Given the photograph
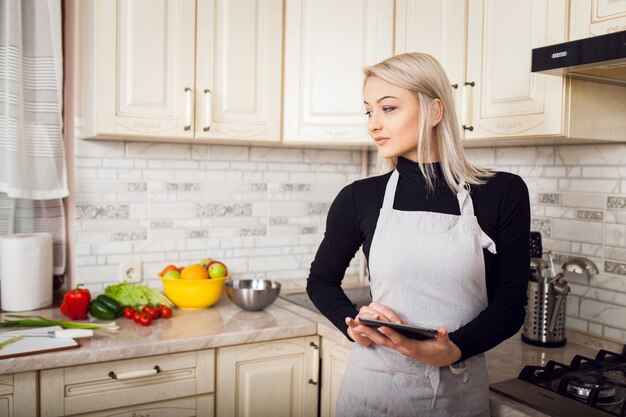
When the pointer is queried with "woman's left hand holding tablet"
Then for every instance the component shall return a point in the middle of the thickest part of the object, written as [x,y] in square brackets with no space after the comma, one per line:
[440,351]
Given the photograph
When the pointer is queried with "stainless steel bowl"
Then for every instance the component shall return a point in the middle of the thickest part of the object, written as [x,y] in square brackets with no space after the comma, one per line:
[252,294]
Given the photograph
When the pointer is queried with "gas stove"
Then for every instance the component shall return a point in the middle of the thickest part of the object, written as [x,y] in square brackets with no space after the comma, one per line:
[584,388]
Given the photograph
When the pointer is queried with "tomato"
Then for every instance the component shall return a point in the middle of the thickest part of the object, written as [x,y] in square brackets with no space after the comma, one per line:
[155,313]
[137,316]
[145,319]
[129,312]
[146,309]
[165,311]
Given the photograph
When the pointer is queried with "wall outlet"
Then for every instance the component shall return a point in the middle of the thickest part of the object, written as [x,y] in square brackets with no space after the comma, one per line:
[131,272]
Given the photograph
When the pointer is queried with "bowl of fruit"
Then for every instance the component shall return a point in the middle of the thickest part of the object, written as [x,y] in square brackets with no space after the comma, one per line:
[196,286]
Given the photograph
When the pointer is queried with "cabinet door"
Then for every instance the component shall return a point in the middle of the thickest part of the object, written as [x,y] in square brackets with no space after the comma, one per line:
[503,98]
[18,394]
[327,44]
[598,18]
[277,379]
[334,362]
[438,29]
[143,67]
[239,69]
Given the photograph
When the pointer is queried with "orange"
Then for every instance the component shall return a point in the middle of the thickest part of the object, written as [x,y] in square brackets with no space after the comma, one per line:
[195,271]
[168,268]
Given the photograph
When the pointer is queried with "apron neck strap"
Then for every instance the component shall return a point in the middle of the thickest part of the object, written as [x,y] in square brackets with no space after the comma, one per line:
[465,201]
[390,190]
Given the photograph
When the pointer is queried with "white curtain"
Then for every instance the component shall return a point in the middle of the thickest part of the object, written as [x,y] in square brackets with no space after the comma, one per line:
[33,177]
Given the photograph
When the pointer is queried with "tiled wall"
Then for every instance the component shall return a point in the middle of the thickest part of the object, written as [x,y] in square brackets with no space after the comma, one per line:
[262,210]
[578,198]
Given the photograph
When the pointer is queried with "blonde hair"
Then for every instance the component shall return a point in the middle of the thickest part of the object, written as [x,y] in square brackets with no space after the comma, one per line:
[425,77]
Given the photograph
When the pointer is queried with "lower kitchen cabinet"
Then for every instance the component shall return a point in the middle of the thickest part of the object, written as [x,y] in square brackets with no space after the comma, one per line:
[182,383]
[334,362]
[18,394]
[278,378]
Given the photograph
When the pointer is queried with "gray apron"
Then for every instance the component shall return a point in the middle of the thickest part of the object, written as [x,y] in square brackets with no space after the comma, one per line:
[429,268]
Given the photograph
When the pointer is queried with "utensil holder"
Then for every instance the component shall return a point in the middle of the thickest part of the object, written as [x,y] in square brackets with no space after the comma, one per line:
[542,300]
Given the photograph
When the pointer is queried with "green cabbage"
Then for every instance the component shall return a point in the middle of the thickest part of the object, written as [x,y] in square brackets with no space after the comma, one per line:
[136,296]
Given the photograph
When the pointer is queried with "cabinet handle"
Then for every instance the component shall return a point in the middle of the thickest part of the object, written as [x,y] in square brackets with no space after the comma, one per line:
[455,86]
[207,109]
[188,106]
[315,371]
[466,105]
[135,374]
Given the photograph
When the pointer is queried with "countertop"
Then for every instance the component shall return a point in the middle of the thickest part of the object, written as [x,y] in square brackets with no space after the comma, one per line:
[226,324]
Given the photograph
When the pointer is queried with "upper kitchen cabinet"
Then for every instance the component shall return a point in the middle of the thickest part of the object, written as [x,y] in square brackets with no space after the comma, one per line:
[485,47]
[598,17]
[327,44]
[181,69]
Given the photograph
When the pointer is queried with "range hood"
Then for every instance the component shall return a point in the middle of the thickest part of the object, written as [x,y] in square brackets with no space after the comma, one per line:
[601,58]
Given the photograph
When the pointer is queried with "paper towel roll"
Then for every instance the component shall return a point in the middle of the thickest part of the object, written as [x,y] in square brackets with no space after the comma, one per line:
[25,271]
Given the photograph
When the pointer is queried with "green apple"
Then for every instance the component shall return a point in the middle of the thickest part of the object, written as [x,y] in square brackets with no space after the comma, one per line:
[217,269]
[172,274]
[205,262]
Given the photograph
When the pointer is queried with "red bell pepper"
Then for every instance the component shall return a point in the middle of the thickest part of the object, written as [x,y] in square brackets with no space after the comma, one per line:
[77,303]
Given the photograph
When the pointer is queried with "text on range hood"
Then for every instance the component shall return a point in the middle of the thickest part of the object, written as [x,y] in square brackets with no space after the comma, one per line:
[600,57]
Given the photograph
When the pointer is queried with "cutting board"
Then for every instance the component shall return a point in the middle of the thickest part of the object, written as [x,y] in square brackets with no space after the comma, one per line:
[32,345]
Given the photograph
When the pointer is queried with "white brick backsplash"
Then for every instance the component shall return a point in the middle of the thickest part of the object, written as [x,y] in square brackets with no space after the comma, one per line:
[593,185]
[617,334]
[616,235]
[603,313]
[162,151]
[596,329]
[151,190]
[580,231]
[516,155]
[287,155]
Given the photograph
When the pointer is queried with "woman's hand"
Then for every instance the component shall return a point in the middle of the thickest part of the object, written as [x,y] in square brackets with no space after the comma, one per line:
[364,335]
[439,352]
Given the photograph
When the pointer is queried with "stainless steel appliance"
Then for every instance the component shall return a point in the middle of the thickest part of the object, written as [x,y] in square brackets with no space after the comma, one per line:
[585,388]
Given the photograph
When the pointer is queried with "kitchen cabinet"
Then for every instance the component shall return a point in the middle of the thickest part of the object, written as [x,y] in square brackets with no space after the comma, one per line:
[598,18]
[181,69]
[489,63]
[334,362]
[278,378]
[18,393]
[173,384]
[327,44]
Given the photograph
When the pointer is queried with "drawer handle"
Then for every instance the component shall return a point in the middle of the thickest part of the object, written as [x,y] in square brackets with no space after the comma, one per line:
[135,374]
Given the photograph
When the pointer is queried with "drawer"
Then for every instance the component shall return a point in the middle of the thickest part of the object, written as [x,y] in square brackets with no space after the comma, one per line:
[198,406]
[89,388]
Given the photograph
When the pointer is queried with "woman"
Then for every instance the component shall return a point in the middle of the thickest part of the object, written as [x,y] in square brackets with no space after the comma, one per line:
[429,229]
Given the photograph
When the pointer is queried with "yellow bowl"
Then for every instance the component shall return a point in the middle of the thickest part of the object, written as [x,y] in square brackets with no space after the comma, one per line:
[193,294]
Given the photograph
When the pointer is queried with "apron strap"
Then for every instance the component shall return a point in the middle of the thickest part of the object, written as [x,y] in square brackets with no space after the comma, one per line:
[467,209]
[390,190]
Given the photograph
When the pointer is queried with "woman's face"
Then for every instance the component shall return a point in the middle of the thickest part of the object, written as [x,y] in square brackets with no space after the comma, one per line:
[392,118]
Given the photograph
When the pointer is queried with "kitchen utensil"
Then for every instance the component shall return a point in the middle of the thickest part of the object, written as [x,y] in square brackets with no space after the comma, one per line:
[252,294]
[63,334]
[561,289]
[193,294]
[539,269]
[579,265]
[536,248]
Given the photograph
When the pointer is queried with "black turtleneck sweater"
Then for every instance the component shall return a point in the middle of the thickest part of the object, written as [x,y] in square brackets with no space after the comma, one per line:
[502,208]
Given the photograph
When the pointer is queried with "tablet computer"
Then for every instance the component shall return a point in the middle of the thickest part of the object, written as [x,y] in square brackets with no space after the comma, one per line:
[414,332]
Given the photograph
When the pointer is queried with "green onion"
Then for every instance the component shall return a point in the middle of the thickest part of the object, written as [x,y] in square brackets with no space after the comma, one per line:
[9,341]
[39,321]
